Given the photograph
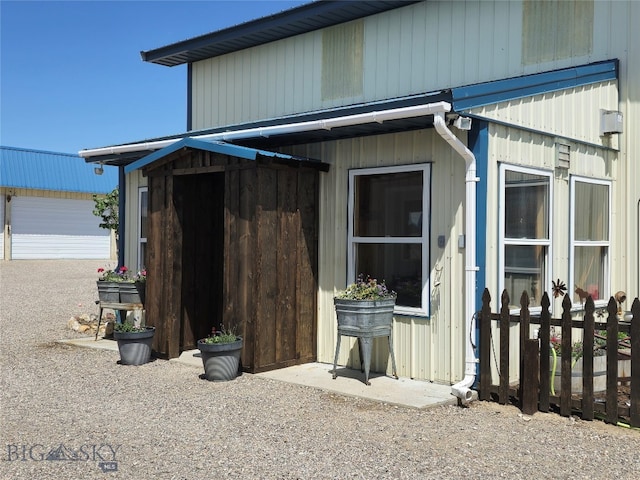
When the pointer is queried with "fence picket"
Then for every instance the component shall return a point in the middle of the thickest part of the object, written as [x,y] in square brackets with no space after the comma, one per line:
[587,403]
[612,362]
[485,347]
[635,364]
[503,392]
[544,334]
[587,360]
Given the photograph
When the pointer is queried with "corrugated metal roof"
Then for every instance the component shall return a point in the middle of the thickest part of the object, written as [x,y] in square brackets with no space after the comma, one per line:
[295,21]
[42,170]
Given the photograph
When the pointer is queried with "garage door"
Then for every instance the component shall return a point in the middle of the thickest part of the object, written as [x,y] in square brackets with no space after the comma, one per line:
[56,228]
[2,204]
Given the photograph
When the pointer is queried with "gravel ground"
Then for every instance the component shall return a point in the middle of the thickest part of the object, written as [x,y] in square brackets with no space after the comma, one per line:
[163,422]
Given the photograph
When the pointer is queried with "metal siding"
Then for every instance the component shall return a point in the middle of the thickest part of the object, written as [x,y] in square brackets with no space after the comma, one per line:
[425,348]
[572,113]
[35,169]
[45,228]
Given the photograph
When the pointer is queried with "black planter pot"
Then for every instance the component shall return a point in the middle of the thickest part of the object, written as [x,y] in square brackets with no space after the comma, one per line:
[221,361]
[135,347]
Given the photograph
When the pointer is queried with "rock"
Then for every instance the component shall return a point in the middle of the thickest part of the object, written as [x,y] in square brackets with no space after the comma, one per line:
[83,328]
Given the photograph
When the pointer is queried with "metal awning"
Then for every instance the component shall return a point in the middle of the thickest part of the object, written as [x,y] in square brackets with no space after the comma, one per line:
[374,118]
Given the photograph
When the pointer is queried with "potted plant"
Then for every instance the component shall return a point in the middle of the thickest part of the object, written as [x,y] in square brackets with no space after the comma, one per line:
[365,310]
[109,284]
[220,354]
[119,286]
[134,342]
[132,289]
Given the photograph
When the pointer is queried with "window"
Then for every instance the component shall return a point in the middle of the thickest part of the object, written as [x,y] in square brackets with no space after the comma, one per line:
[525,232]
[590,227]
[142,226]
[389,231]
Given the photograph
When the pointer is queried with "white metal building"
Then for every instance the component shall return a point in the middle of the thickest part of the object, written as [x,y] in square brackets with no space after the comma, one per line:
[46,206]
[472,144]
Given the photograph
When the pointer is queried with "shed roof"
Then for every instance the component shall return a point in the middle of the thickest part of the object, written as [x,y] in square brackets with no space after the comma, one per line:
[295,21]
[225,149]
[42,170]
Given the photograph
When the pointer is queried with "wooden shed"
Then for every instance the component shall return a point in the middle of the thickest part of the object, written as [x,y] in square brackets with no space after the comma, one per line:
[232,241]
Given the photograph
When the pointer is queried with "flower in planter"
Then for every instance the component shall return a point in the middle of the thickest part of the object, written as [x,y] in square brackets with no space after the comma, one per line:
[577,348]
[141,276]
[117,275]
[366,288]
[220,336]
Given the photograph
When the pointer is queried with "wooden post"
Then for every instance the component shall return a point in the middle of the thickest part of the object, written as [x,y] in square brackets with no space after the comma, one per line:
[635,364]
[485,347]
[544,336]
[530,382]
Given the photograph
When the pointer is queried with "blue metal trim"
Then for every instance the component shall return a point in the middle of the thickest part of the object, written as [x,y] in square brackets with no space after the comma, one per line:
[210,146]
[488,93]
[478,139]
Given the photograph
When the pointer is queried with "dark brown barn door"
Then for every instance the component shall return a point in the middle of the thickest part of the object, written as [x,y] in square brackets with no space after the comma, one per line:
[200,206]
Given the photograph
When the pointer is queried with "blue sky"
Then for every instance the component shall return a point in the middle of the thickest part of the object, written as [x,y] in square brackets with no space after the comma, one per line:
[71,76]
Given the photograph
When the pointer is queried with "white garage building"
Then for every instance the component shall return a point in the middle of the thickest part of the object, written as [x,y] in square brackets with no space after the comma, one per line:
[46,206]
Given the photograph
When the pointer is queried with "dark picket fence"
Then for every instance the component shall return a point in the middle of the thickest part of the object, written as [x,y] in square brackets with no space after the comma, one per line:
[533,390]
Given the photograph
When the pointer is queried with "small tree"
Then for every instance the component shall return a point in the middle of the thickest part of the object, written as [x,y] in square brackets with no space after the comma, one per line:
[106,207]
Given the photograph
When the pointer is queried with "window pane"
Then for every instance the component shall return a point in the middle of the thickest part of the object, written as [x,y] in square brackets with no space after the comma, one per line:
[589,271]
[526,205]
[143,214]
[388,205]
[400,265]
[524,270]
[592,211]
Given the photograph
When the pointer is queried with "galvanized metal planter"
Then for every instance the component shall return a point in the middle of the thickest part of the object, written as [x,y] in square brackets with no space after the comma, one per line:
[108,292]
[365,319]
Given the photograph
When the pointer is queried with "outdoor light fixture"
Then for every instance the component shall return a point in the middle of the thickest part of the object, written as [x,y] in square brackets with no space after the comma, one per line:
[98,170]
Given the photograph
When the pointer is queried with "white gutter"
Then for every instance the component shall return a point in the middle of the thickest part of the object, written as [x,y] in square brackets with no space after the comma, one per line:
[325,124]
[462,389]
[438,110]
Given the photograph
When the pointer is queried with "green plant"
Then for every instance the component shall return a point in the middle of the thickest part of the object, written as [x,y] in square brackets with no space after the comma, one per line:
[221,336]
[366,288]
[128,327]
[106,207]
[141,276]
[120,274]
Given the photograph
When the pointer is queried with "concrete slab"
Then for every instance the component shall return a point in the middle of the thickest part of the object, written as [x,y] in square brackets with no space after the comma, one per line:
[90,342]
[404,391]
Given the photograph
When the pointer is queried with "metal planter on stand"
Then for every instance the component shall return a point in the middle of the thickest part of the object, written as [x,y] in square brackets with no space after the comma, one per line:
[365,319]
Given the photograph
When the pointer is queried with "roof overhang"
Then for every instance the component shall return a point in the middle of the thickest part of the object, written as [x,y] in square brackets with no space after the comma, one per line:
[224,148]
[295,21]
[405,114]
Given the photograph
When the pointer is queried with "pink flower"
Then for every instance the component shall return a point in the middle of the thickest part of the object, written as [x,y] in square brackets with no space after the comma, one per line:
[100,270]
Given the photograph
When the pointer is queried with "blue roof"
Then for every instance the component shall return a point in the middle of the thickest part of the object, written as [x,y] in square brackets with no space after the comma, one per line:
[218,147]
[37,169]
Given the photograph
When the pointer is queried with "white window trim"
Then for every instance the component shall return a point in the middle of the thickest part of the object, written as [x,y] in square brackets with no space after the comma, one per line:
[141,239]
[502,241]
[573,243]
[424,240]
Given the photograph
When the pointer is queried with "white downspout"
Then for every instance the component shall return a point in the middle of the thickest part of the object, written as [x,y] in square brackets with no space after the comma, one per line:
[462,389]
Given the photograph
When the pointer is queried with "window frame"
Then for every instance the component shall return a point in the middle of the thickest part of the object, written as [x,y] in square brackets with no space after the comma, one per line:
[503,241]
[423,239]
[141,240]
[573,243]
